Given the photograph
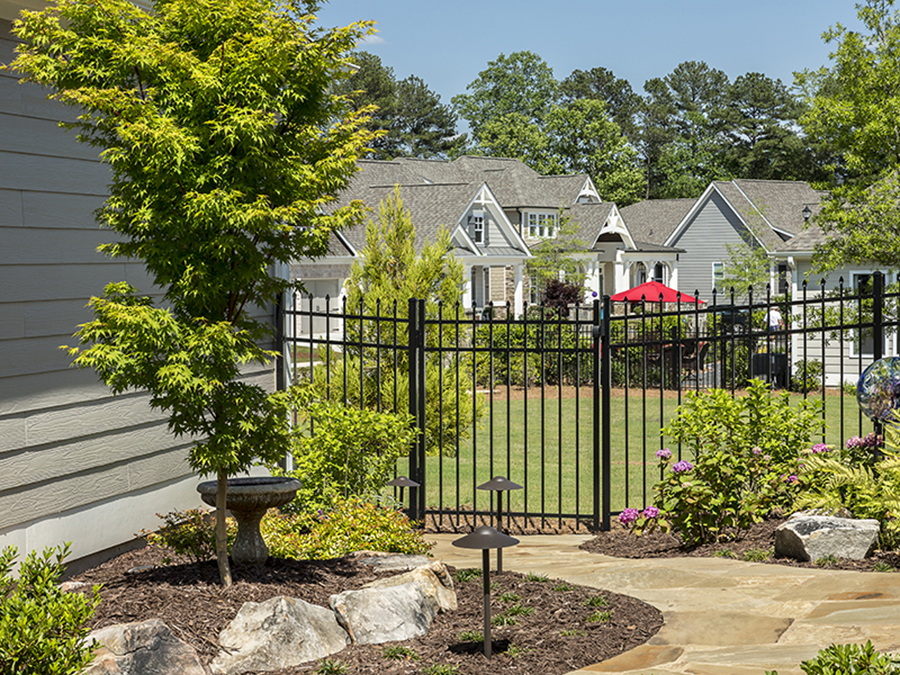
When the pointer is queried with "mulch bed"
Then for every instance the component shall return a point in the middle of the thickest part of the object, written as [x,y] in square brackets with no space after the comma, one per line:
[621,543]
[557,637]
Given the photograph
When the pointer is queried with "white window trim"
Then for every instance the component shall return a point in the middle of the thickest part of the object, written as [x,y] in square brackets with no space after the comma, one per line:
[890,340]
[541,225]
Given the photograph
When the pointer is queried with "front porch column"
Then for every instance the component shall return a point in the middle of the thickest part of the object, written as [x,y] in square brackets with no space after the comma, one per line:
[518,291]
[467,288]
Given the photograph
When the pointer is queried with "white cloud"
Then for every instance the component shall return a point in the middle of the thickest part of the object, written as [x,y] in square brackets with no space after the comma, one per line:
[373,40]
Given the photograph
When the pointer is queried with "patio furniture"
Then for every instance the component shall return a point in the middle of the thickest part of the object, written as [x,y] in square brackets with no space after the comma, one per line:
[694,363]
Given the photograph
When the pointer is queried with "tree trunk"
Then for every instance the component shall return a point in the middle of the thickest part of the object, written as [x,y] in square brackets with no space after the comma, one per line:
[221,532]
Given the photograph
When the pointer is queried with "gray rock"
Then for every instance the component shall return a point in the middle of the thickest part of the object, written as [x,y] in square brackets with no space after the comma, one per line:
[808,537]
[278,633]
[391,562]
[434,580]
[145,648]
[376,615]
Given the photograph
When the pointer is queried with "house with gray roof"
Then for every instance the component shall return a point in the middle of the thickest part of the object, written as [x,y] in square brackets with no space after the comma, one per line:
[495,209]
[759,213]
[798,254]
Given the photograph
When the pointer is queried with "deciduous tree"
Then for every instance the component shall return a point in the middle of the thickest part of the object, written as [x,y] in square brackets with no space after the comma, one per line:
[225,141]
[854,111]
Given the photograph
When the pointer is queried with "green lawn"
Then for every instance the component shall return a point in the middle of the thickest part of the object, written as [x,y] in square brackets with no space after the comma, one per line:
[548,448]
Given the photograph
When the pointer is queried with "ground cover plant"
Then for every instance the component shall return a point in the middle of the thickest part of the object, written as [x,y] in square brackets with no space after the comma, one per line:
[345,526]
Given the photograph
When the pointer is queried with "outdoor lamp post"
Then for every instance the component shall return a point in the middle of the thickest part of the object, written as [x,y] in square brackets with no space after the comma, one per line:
[486,538]
[499,484]
[403,482]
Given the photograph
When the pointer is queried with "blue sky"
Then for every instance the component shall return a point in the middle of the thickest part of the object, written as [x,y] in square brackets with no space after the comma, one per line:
[448,44]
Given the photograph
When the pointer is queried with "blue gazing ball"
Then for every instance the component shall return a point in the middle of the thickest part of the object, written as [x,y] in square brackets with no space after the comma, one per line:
[878,389]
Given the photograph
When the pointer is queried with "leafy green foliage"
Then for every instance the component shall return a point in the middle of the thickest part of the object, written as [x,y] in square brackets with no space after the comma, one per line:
[807,376]
[226,141]
[851,112]
[388,274]
[832,483]
[332,667]
[758,554]
[744,461]
[190,532]
[409,116]
[442,669]
[536,577]
[399,653]
[468,574]
[851,658]
[342,451]
[599,617]
[354,525]
[597,601]
[471,636]
[42,627]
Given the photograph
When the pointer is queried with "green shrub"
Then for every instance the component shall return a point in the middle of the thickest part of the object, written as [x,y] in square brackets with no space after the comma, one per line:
[845,659]
[807,376]
[191,532]
[744,462]
[341,451]
[451,409]
[42,627]
[354,525]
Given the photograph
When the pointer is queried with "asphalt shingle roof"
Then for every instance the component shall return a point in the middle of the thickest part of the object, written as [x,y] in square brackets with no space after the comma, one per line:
[653,220]
[767,204]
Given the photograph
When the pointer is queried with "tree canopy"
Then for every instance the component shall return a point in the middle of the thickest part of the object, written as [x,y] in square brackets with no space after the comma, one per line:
[409,115]
[854,112]
[225,141]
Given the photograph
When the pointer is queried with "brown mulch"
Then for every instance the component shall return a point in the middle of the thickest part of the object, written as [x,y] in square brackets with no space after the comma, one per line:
[621,543]
[557,637]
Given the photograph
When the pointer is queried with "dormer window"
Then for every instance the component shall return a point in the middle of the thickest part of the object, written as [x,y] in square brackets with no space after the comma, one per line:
[542,225]
[476,227]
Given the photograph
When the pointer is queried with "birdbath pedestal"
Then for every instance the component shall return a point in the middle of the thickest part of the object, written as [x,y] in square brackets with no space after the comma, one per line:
[248,499]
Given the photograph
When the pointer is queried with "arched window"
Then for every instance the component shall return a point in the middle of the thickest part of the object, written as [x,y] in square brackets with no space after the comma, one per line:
[640,274]
[659,273]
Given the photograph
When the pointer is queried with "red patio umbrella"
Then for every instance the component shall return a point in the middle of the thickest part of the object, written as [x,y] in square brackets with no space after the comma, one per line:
[651,292]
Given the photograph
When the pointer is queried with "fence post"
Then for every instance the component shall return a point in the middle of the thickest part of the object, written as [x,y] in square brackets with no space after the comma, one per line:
[878,329]
[414,355]
[601,414]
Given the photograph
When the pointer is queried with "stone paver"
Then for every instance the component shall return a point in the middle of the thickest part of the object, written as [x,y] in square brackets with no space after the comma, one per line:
[723,617]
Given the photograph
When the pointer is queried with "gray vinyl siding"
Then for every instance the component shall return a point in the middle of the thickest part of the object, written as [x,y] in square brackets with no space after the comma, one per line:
[704,241]
[67,446]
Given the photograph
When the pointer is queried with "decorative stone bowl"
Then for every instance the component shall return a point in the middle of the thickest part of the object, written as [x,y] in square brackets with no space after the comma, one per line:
[248,499]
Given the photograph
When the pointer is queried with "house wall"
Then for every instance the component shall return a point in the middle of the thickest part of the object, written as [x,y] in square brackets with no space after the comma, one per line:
[76,463]
[704,241]
[842,359]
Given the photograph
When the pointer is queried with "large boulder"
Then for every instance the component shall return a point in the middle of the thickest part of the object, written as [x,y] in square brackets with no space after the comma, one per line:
[434,580]
[392,562]
[810,537]
[278,633]
[144,648]
[376,615]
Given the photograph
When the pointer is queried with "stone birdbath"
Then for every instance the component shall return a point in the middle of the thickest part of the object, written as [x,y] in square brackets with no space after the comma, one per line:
[248,499]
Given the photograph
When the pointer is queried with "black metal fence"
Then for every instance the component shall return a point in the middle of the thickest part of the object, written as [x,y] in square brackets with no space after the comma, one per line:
[571,403]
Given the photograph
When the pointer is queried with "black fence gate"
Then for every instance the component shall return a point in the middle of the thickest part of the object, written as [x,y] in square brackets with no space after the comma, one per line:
[571,402]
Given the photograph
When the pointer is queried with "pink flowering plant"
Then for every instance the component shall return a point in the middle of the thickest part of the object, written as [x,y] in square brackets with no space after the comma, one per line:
[739,461]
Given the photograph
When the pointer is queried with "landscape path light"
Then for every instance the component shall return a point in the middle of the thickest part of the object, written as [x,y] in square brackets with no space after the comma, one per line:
[499,484]
[403,482]
[485,538]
